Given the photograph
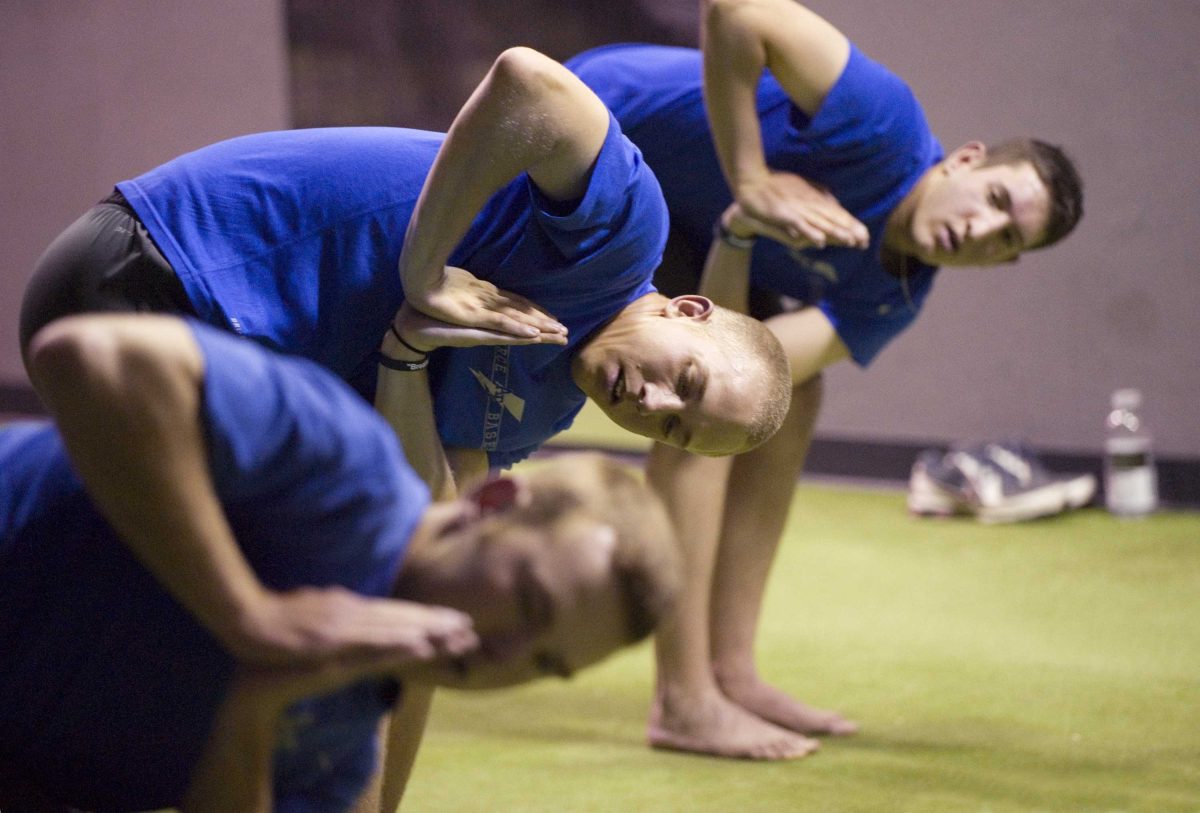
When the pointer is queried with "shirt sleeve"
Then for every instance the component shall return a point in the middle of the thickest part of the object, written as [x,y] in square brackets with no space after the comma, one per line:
[311,478]
[622,217]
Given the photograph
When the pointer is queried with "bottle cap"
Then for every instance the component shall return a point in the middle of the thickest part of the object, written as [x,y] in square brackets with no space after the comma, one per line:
[1128,398]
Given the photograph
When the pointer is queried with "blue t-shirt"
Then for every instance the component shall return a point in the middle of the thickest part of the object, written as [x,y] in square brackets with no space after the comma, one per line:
[109,686]
[869,144]
[293,239]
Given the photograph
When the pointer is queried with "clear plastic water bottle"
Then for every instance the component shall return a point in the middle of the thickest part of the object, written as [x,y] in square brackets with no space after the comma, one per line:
[1130,479]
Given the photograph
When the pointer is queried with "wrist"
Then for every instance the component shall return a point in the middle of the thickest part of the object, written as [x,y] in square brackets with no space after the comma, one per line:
[407,344]
[250,634]
[731,237]
[401,353]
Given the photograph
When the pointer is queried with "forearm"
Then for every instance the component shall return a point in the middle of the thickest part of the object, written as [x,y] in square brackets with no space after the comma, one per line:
[726,276]
[740,38]
[125,394]
[734,58]
[528,115]
[404,400]
[235,770]
[405,729]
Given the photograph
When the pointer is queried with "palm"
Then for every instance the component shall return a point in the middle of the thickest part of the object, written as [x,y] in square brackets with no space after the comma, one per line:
[463,299]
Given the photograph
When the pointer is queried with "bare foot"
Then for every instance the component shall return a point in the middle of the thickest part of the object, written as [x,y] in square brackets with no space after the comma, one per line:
[780,708]
[713,725]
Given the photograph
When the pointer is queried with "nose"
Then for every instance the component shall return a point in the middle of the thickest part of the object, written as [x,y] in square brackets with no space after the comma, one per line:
[655,398]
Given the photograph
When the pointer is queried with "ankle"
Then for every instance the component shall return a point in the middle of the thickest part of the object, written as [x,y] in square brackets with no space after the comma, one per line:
[671,696]
[732,677]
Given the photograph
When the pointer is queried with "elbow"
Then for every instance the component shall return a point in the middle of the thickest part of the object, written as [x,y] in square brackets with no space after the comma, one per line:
[71,349]
[525,69]
[708,7]
[720,11]
[112,358]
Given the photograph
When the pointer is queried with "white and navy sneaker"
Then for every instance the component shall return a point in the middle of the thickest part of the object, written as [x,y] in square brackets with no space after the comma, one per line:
[970,480]
[1019,460]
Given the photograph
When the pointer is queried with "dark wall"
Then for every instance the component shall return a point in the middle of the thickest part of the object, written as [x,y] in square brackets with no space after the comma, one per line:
[413,62]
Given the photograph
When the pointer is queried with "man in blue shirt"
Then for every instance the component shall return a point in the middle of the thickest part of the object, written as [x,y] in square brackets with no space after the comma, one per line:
[117,697]
[829,156]
[310,242]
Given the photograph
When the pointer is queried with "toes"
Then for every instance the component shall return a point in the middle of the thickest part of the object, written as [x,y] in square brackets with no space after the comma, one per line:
[785,748]
[841,727]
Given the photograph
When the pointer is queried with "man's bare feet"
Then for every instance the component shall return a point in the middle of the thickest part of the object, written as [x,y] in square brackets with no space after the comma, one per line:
[713,725]
[780,708]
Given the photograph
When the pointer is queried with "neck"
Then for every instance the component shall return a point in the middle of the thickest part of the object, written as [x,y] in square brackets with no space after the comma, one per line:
[897,231]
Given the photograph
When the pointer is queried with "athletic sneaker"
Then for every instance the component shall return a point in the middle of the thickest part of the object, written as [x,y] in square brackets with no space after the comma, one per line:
[968,481]
[1019,460]
[936,487]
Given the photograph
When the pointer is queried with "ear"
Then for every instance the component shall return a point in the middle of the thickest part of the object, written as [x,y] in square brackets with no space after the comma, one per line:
[500,494]
[969,155]
[690,306]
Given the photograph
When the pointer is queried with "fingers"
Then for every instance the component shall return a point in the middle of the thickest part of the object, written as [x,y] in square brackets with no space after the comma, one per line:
[425,331]
[463,299]
[521,319]
[393,636]
[801,214]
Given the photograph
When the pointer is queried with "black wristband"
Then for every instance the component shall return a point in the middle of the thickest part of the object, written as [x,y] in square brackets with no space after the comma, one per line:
[424,354]
[720,232]
[402,365]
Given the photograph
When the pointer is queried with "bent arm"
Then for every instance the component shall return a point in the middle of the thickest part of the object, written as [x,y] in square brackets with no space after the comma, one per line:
[806,55]
[740,38]
[530,114]
[125,394]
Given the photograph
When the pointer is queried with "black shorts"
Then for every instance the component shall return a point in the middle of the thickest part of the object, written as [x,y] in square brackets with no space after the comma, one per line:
[680,273]
[104,261]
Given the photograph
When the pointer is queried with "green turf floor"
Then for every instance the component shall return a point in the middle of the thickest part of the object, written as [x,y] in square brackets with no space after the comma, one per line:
[1050,666]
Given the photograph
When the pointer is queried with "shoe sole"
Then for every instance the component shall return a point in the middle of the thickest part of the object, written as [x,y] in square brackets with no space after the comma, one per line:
[926,498]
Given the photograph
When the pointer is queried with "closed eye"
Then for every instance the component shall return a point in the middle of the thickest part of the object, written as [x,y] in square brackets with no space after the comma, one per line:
[999,198]
[683,385]
[535,605]
[670,425]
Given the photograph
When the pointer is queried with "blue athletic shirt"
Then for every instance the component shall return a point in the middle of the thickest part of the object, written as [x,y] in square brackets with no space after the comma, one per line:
[869,144]
[293,239]
[110,703]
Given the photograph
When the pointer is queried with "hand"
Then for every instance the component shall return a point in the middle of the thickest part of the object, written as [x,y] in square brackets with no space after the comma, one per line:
[326,626]
[799,213]
[461,298]
[425,333]
[423,634]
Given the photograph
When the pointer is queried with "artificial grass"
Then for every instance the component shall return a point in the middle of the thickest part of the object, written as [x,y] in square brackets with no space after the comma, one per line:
[1049,666]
